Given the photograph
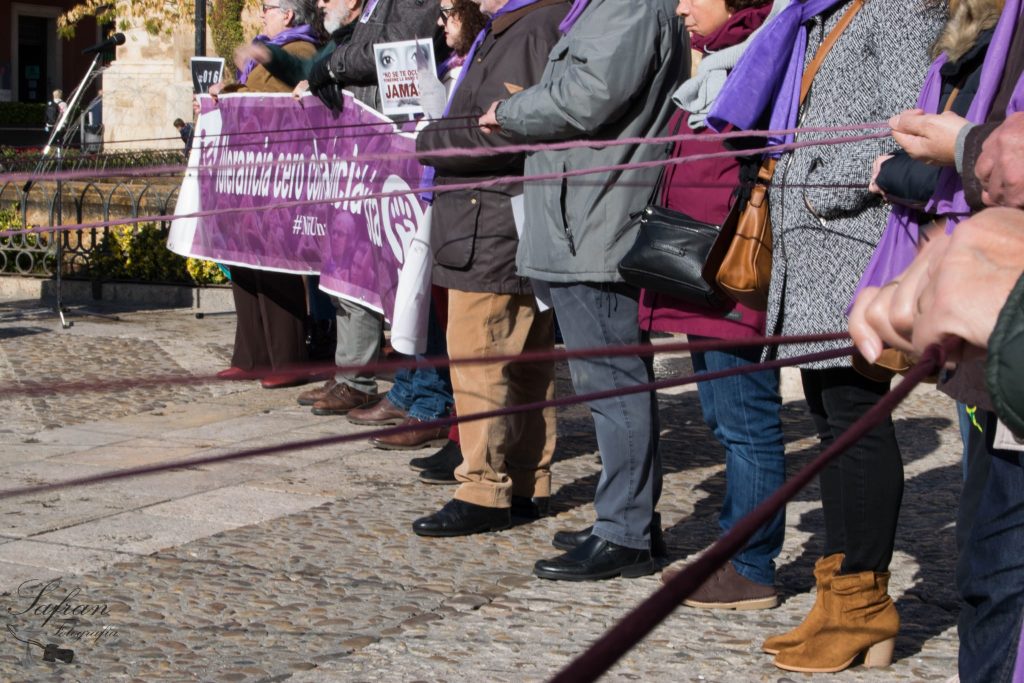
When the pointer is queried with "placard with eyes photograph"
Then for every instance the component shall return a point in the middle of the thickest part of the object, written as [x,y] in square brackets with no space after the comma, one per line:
[398,73]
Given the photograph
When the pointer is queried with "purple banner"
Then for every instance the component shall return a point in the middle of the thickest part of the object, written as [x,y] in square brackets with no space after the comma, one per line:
[254,151]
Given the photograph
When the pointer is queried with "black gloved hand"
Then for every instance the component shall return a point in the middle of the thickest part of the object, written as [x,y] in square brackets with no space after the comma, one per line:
[323,85]
[331,95]
[320,73]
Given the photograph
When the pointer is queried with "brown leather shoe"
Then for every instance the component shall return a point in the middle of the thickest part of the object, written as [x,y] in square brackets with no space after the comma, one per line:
[380,414]
[428,437]
[308,398]
[341,399]
[728,589]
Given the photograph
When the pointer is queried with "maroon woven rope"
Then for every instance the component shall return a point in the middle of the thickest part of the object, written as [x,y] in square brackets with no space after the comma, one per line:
[632,628]
[452,187]
[25,389]
[462,152]
[443,422]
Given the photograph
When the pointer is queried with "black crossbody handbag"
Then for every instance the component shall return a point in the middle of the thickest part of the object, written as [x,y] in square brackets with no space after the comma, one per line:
[675,254]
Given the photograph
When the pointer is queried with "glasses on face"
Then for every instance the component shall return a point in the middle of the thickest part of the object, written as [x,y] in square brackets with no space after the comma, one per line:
[446,13]
[267,8]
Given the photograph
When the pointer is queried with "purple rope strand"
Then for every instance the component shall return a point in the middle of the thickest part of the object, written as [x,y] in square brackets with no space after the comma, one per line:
[491,182]
[632,628]
[471,152]
[400,429]
[554,355]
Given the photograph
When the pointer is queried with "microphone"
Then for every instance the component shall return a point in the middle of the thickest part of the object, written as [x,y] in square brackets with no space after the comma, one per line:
[116,39]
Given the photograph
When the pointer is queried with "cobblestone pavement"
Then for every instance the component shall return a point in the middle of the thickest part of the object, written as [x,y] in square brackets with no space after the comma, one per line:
[301,566]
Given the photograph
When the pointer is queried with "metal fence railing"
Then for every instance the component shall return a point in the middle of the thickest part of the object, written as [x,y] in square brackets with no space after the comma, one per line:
[79,201]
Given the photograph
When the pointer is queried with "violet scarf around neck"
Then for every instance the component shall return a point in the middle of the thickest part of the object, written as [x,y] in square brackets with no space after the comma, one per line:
[574,13]
[767,77]
[303,32]
[899,242]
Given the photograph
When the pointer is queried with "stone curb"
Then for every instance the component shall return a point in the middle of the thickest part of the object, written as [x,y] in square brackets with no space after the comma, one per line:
[213,299]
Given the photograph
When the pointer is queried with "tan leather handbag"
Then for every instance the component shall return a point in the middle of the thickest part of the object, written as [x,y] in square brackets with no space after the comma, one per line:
[747,267]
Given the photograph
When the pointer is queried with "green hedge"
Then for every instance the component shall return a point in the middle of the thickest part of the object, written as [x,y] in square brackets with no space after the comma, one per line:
[14,159]
[22,114]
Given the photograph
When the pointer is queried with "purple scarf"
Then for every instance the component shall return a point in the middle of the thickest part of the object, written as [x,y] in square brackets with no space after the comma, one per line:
[898,245]
[768,75]
[1018,668]
[429,172]
[574,13]
[303,32]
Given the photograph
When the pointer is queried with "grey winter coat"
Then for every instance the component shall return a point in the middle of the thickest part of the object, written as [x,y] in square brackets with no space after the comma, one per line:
[612,76]
[353,63]
[825,223]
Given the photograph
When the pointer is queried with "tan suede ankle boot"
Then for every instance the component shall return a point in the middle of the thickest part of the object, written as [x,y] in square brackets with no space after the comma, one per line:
[824,569]
[859,618]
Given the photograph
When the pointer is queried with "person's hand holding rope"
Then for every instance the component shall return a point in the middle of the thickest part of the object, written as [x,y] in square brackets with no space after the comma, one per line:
[999,168]
[954,288]
[928,137]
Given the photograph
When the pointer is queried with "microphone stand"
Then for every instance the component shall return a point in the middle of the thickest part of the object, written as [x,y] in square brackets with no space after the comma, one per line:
[56,146]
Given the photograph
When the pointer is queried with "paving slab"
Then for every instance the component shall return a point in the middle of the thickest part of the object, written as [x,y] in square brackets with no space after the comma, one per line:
[135,532]
[237,505]
[301,566]
[59,557]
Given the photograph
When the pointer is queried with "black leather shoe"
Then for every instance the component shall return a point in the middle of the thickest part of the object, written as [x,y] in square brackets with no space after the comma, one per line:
[448,458]
[596,559]
[530,508]
[458,518]
[567,540]
[444,477]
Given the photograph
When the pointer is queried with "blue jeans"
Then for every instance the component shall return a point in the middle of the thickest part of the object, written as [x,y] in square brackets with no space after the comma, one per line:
[990,569]
[743,413]
[425,393]
[599,315]
[966,417]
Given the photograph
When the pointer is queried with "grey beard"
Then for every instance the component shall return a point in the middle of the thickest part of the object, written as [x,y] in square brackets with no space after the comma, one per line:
[332,22]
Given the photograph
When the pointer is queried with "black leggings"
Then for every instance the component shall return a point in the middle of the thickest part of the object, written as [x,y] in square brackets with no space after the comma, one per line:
[861,490]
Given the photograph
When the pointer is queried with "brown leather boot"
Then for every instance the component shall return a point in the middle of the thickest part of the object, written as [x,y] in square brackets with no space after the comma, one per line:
[860,618]
[824,569]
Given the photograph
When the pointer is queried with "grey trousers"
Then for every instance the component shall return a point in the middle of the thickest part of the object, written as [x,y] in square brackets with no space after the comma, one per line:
[359,334]
[604,314]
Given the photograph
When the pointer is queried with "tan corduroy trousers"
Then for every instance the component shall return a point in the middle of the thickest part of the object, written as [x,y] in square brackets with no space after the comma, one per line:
[511,455]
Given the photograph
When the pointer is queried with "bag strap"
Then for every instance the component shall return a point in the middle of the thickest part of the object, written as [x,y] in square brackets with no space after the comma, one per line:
[658,191]
[826,47]
[952,99]
[767,170]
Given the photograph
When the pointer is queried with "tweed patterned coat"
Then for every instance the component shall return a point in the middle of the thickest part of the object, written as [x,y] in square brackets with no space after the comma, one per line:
[824,232]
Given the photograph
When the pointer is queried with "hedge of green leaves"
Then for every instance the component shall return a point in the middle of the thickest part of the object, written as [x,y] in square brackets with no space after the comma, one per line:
[15,159]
